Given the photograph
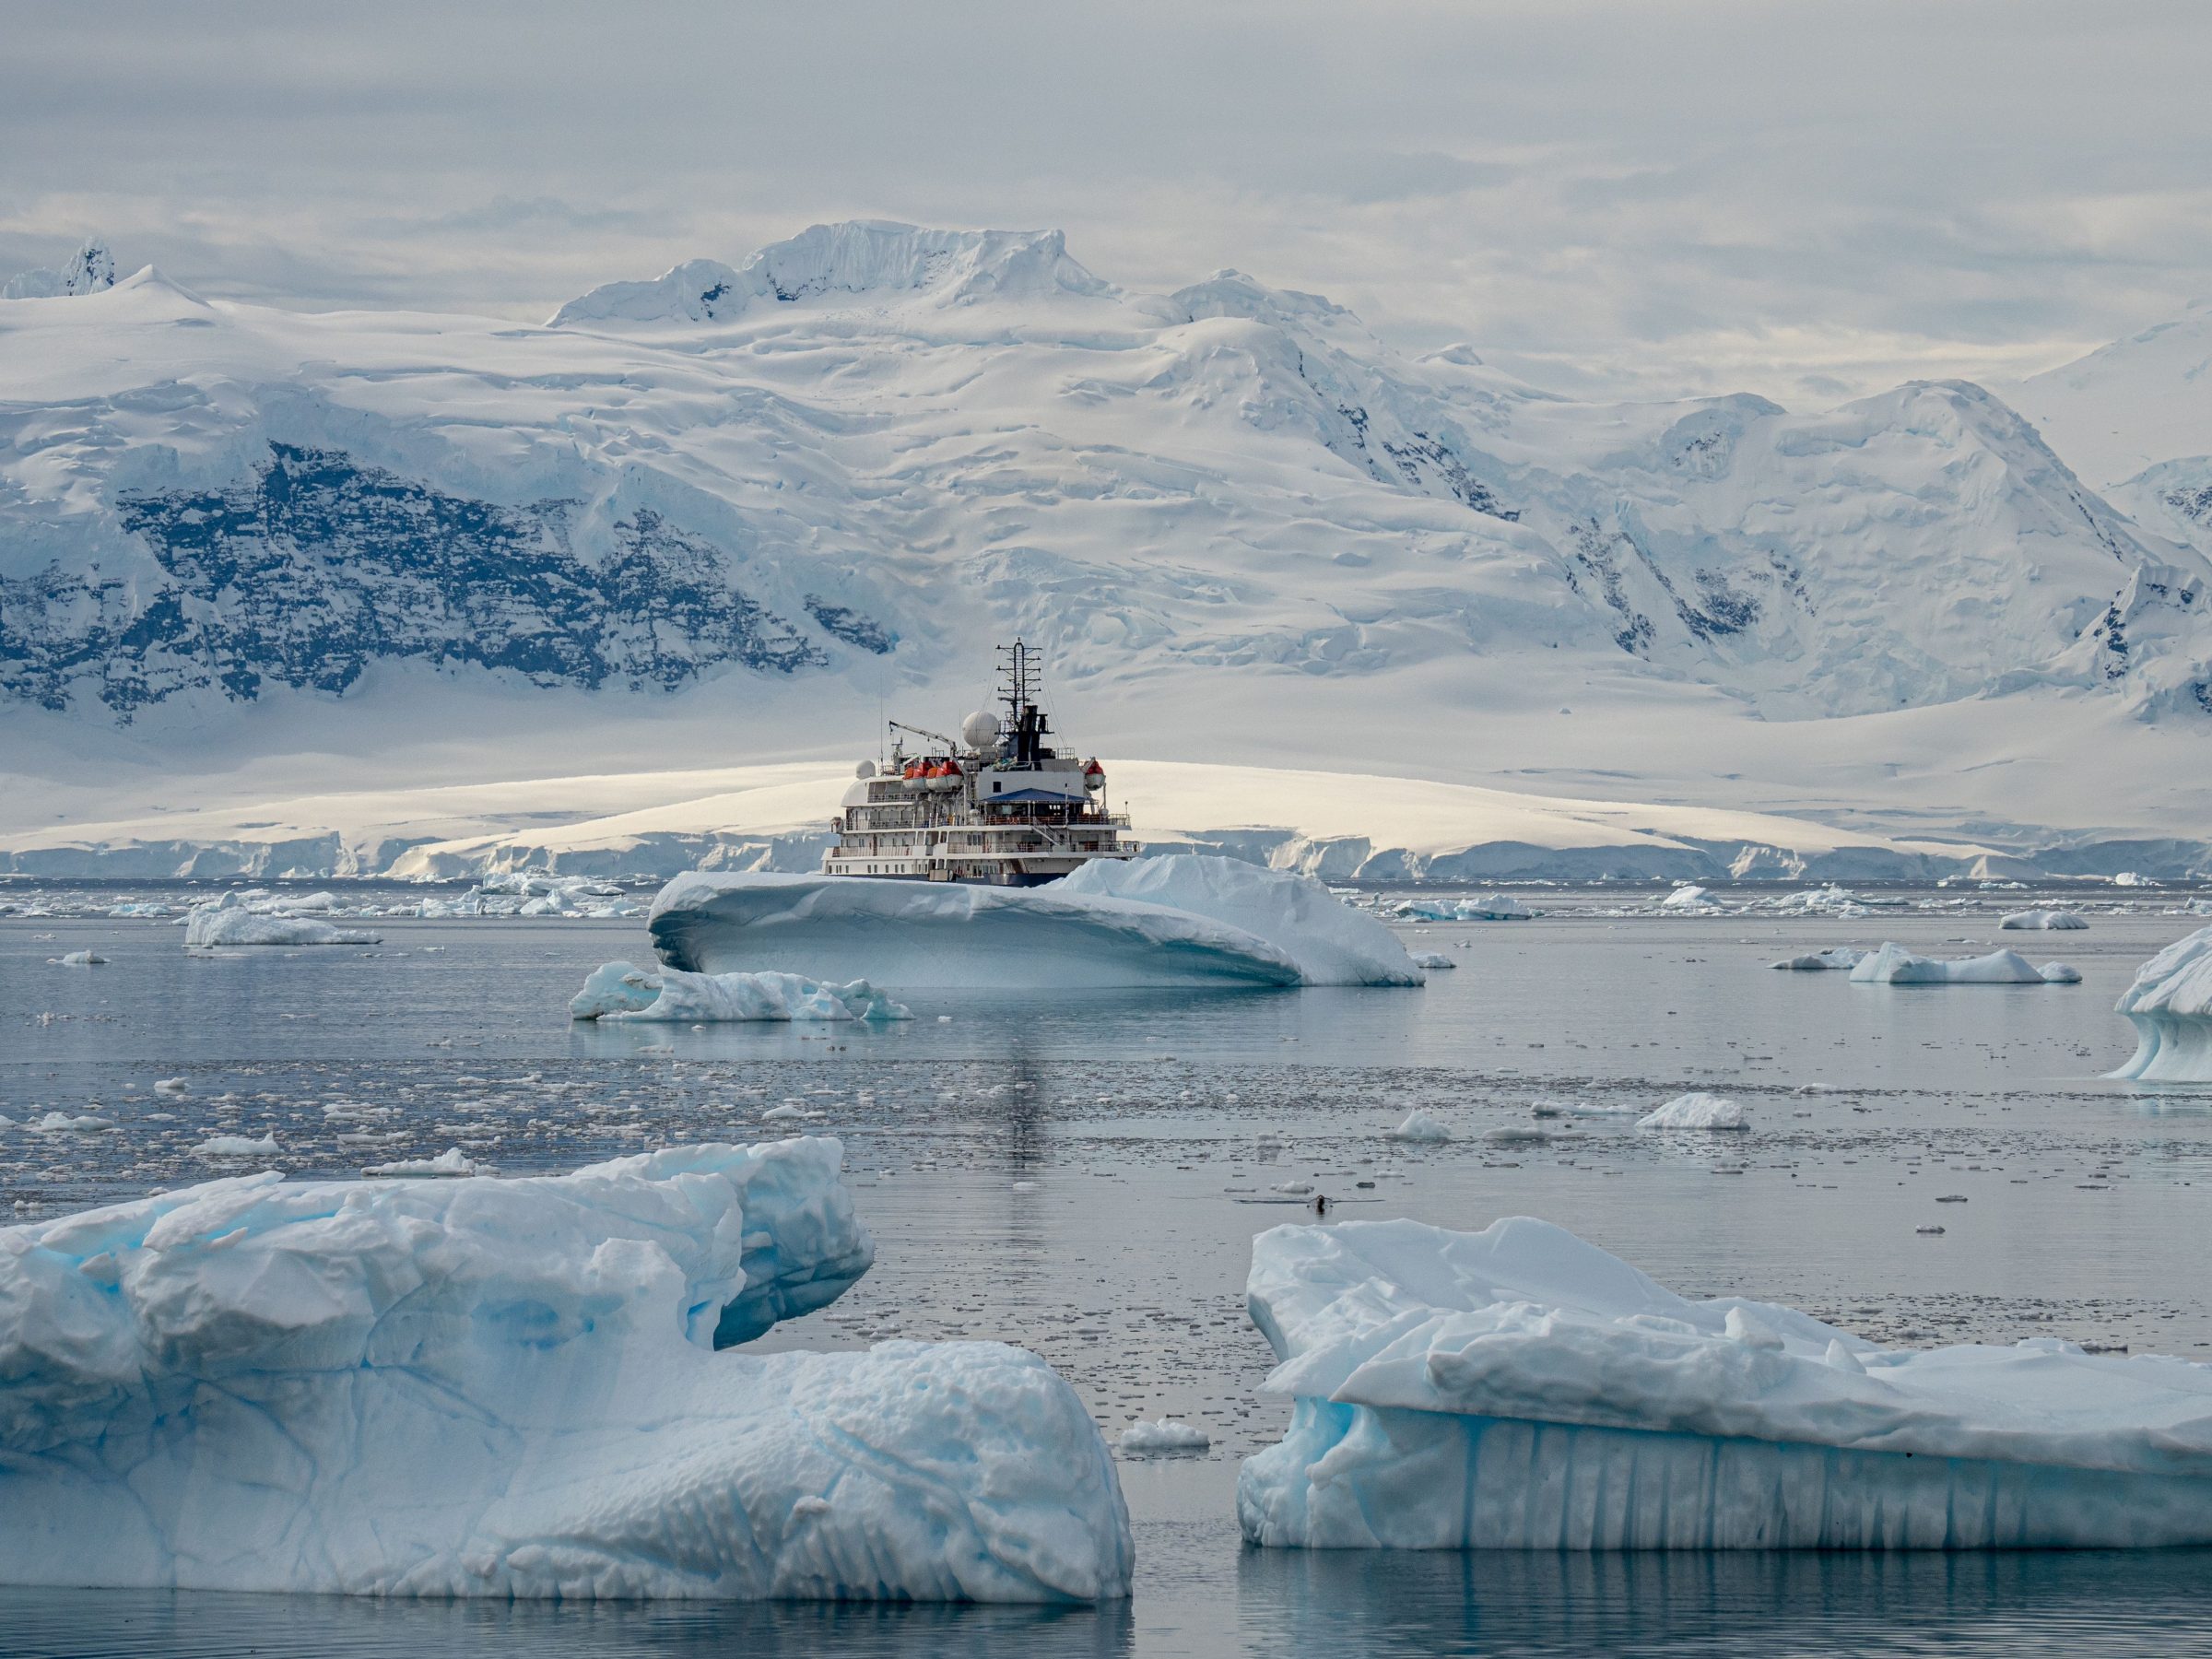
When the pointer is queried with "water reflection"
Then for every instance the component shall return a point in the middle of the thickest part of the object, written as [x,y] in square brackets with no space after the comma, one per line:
[1491,1602]
[47,1624]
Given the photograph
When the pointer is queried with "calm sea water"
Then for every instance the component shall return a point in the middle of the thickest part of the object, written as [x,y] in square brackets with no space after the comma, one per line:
[1084,1178]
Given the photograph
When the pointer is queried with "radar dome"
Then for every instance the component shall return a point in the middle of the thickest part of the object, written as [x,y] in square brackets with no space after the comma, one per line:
[980,730]
[866,769]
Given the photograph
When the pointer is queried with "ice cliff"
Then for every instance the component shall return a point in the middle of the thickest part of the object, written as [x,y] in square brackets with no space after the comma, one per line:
[1179,920]
[2170,1007]
[1518,1388]
[511,1388]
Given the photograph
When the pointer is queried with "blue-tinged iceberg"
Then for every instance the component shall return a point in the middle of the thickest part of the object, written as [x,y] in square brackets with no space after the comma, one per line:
[2170,1007]
[512,1388]
[1518,1388]
[1179,920]
[616,991]
[1893,964]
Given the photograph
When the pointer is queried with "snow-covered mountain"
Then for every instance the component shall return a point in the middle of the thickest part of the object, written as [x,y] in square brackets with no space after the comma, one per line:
[92,269]
[722,512]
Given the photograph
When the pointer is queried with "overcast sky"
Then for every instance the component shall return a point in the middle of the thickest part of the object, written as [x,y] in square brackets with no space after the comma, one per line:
[1807,200]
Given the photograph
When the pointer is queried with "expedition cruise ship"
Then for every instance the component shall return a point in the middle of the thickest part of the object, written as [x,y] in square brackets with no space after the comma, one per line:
[994,805]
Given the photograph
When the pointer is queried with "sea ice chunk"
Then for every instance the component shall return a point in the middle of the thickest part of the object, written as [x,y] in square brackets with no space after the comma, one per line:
[618,991]
[449,1164]
[1169,1434]
[2170,1007]
[1421,1126]
[231,923]
[1697,1110]
[1179,920]
[1895,965]
[510,1388]
[1813,961]
[1431,960]
[1518,1388]
[2041,920]
[82,958]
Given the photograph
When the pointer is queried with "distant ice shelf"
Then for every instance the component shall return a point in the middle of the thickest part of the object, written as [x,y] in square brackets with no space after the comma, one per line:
[2170,1005]
[465,1386]
[1521,1389]
[1179,920]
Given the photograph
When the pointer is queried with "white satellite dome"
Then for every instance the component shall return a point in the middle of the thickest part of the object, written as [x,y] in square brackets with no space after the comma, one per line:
[866,769]
[980,730]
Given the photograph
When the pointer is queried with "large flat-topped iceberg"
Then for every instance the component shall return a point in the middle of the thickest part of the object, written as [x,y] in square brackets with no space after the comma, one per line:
[1893,964]
[1179,920]
[2170,1007]
[1518,1388]
[511,1388]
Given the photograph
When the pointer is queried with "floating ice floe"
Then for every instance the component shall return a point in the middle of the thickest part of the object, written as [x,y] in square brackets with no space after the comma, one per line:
[72,1123]
[1520,1389]
[449,1164]
[2170,1007]
[1817,902]
[1895,965]
[1421,1126]
[1169,1434]
[1489,907]
[1697,1110]
[1690,901]
[2041,920]
[1432,959]
[618,991]
[511,1388]
[231,921]
[531,894]
[237,1146]
[82,958]
[1837,957]
[1179,920]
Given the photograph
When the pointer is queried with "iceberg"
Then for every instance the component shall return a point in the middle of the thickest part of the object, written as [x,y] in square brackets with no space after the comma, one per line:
[1431,962]
[1814,961]
[511,1388]
[1169,1434]
[616,991]
[231,923]
[1518,1388]
[1895,965]
[1179,920]
[2170,1005]
[1491,907]
[1421,1127]
[2041,920]
[1697,1110]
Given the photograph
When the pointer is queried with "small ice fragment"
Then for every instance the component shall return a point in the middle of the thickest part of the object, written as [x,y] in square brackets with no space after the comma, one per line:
[236,1146]
[82,958]
[1433,959]
[1421,1126]
[1169,1434]
[170,1086]
[452,1162]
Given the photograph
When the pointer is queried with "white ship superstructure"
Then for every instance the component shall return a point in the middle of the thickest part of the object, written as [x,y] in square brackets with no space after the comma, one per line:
[994,805]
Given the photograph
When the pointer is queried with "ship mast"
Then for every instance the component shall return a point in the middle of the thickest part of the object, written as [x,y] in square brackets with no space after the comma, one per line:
[1027,726]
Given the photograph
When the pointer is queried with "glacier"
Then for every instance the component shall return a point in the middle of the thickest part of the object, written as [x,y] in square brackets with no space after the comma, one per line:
[232,531]
[2170,1004]
[618,991]
[511,1388]
[1520,1388]
[1181,919]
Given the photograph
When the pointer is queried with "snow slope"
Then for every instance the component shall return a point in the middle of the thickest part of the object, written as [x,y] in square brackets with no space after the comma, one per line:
[463,1386]
[1518,1388]
[713,516]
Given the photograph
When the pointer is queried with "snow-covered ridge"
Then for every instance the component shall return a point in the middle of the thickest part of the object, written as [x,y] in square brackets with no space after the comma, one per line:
[227,529]
[1520,1388]
[864,259]
[464,1386]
